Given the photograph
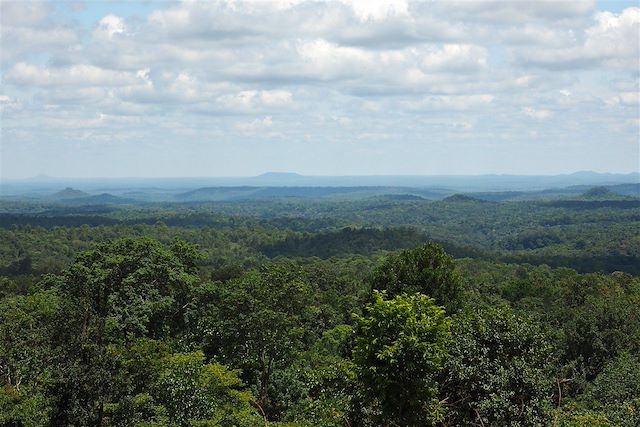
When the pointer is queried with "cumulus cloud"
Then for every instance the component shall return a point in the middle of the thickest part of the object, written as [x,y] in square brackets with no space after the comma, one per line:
[356,70]
[255,125]
[612,40]
[8,104]
[455,58]
[376,10]
[629,99]
[509,12]
[256,100]
[538,114]
[23,14]
[109,26]
[449,103]
[75,75]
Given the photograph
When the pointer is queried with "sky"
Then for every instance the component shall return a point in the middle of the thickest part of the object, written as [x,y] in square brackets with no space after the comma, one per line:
[352,87]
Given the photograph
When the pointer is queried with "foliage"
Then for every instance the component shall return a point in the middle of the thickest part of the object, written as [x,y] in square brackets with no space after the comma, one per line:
[499,370]
[255,323]
[196,393]
[399,349]
[426,269]
[100,330]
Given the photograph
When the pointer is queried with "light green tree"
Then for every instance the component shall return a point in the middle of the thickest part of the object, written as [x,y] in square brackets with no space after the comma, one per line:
[400,348]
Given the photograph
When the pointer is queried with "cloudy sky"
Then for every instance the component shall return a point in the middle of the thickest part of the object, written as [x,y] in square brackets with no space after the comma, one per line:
[354,87]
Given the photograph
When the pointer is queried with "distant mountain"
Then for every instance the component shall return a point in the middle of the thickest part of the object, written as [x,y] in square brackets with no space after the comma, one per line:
[495,187]
[69,193]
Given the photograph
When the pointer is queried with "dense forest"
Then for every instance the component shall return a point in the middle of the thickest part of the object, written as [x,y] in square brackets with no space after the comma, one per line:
[382,311]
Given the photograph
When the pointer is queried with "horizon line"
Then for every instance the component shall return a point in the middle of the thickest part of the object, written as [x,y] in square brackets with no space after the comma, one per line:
[295,174]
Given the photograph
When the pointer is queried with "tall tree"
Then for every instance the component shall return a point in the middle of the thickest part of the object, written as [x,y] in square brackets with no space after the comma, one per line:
[256,323]
[426,269]
[499,370]
[120,291]
[400,348]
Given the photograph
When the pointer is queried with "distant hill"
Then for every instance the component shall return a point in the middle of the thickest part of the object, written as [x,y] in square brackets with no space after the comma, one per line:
[461,198]
[574,192]
[599,193]
[99,199]
[595,198]
[275,192]
[444,185]
[304,192]
[69,193]
[632,189]
[403,197]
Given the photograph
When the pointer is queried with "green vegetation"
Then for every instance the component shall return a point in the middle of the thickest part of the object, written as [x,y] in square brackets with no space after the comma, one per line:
[388,311]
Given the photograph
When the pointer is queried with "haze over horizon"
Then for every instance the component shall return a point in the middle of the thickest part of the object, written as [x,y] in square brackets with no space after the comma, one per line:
[349,88]
[293,175]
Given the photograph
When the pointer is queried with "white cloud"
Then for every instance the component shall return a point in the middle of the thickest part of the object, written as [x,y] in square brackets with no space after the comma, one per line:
[448,103]
[625,98]
[8,104]
[455,58]
[109,26]
[327,60]
[390,72]
[612,40]
[616,37]
[376,10]
[255,100]
[276,98]
[23,14]
[513,12]
[38,39]
[255,125]
[538,114]
[75,75]
[371,106]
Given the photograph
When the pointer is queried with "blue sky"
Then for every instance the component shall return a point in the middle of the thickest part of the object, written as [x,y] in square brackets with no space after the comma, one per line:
[353,87]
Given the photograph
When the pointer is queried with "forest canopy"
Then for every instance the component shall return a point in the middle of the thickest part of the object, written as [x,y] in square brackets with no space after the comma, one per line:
[395,312]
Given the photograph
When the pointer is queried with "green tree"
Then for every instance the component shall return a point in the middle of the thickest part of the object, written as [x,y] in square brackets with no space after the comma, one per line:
[400,348]
[256,323]
[600,319]
[499,370]
[427,270]
[616,391]
[26,328]
[120,291]
[196,393]
[329,380]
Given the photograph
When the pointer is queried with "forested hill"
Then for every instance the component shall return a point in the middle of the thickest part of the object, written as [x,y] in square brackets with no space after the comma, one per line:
[383,310]
[586,233]
[134,332]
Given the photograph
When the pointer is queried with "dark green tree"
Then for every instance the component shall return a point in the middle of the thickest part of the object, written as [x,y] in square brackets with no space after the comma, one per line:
[427,270]
[256,323]
[120,291]
[26,327]
[499,371]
